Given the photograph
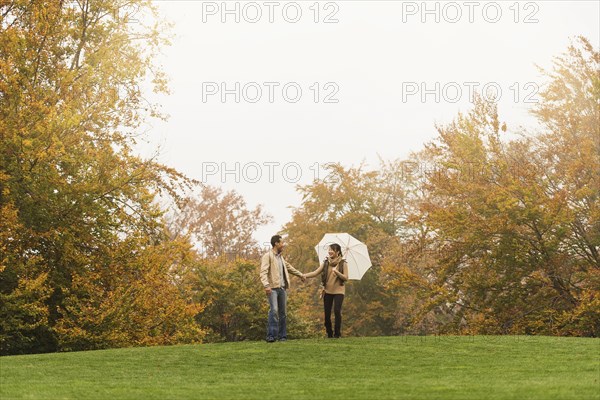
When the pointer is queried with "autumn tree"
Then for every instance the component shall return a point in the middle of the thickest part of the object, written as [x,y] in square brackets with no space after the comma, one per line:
[569,150]
[236,307]
[220,222]
[515,221]
[81,231]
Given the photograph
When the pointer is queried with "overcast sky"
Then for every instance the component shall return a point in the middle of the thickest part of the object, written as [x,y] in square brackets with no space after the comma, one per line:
[371,81]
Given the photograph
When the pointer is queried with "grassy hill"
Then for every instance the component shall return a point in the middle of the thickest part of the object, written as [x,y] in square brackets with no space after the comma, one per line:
[443,367]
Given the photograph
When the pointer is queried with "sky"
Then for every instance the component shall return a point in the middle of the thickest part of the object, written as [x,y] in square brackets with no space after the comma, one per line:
[265,93]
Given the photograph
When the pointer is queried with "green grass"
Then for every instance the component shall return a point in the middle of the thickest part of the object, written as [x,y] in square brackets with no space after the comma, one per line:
[445,367]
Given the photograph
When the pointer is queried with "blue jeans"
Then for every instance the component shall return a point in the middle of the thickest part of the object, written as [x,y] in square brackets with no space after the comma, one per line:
[276,324]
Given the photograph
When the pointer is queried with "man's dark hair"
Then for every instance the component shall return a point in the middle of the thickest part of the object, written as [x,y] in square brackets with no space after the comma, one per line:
[275,239]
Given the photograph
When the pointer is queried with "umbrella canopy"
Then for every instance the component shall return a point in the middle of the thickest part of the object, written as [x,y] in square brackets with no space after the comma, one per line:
[353,250]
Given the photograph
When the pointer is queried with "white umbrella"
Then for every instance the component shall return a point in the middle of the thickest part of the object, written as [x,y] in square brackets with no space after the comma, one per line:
[353,251]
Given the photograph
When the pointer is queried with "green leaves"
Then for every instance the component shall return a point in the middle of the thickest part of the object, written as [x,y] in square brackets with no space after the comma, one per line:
[82,206]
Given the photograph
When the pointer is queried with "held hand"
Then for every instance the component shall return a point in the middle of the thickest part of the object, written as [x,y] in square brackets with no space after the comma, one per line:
[303,277]
[268,291]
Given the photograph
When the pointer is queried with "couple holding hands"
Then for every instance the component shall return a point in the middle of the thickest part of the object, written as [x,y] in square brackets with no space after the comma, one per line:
[274,275]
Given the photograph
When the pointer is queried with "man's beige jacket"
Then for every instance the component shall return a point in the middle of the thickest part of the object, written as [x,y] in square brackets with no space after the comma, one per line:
[269,271]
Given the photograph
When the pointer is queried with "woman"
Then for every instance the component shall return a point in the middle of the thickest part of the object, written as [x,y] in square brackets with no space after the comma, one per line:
[334,274]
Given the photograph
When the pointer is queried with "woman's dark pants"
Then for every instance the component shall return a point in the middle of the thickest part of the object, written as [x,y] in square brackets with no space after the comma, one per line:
[336,301]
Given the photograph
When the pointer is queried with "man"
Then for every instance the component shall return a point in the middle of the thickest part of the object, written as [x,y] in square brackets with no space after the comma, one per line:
[275,279]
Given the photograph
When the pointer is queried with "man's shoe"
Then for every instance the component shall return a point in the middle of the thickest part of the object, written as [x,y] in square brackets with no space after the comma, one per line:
[270,340]
[283,339]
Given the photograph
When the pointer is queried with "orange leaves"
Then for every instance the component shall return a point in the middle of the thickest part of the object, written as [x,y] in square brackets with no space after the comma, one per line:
[79,207]
[522,227]
[235,303]
[220,222]
[24,287]
[142,302]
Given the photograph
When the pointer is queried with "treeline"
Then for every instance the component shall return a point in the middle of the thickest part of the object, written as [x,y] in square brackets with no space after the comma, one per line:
[476,233]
